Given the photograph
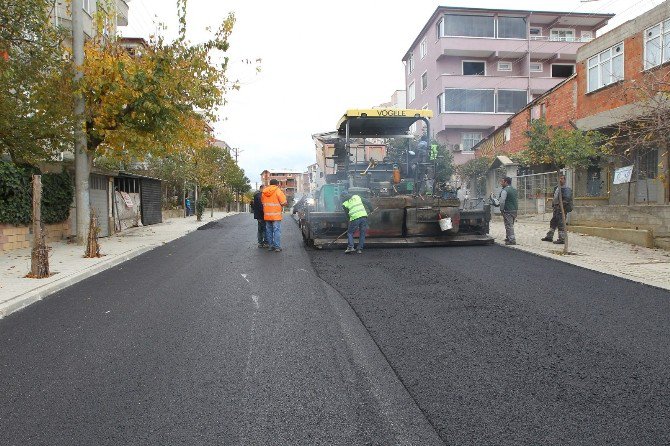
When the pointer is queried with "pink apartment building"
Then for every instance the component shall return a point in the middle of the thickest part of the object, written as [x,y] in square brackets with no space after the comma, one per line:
[477,67]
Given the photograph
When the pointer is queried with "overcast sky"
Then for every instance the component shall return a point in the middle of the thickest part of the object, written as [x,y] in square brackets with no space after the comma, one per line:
[319,58]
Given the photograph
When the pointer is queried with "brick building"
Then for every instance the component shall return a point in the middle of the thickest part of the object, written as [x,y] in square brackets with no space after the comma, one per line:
[289,181]
[476,67]
[621,78]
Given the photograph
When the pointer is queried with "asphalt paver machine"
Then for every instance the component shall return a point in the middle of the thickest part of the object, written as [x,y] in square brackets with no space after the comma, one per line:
[409,208]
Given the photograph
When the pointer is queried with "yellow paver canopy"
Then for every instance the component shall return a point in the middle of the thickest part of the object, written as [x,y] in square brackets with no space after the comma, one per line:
[381,122]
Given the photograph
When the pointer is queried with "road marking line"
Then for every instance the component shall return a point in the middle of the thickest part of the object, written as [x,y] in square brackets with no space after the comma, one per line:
[245,277]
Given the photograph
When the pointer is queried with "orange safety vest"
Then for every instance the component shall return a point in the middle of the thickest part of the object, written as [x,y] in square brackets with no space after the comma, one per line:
[273,199]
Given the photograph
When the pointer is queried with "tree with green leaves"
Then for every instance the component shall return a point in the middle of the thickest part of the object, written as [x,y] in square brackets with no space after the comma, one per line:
[558,148]
[473,173]
[36,120]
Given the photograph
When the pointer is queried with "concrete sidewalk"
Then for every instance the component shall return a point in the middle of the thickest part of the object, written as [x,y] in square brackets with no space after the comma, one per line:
[68,265]
[636,263]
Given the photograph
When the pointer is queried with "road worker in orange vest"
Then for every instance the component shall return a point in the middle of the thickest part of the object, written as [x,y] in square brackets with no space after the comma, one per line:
[273,200]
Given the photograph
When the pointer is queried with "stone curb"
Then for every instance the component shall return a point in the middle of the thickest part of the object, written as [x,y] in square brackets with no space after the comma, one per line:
[558,258]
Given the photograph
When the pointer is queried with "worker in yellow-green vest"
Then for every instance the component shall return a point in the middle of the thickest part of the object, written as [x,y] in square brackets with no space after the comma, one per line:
[355,207]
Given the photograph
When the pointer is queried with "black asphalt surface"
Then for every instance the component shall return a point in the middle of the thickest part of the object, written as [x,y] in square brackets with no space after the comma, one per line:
[500,347]
[207,340]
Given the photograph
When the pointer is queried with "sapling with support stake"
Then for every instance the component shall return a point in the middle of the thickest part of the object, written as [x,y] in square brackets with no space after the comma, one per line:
[39,259]
[92,245]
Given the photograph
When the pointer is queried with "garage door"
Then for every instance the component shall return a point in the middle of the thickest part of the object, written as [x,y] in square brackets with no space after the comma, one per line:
[99,197]
[150,197]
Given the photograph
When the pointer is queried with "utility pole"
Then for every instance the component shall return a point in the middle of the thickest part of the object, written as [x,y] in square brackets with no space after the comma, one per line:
[81,156]
[237,151]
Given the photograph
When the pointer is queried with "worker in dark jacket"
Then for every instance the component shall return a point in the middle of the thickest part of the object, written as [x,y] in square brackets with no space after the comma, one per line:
[557,217]
[509,206]
[257,206]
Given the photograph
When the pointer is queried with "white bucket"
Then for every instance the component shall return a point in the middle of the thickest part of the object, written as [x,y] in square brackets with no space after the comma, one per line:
[445,224]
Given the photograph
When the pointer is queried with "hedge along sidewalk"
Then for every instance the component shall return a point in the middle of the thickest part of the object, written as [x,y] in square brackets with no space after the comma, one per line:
[68,265]
[16,192]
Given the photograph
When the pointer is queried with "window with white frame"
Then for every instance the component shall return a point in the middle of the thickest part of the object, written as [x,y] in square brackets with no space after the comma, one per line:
[511,101]
[587,36]
[440,28]
[511,27]
[536,67]
[469,140]
[535,32]
[473,68]
[469,101]
[504,66]
[411,93]
[657,45]
[562,34]
[440,103]
[605,68]
[461,25]
[87,6]
[410,64]
[424,81]
[423,48]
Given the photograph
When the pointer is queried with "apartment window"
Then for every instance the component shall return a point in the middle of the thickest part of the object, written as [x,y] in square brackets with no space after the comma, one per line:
[411,93]
[534,113]
[410,64]
[536,67]
[440,28]
[87,6]
[507,136]
[587,36]
[469,101]
[563,35]
[423,48]
[469,140]
[511,101]
[424,81]
[535,32]
[474,68]
[657,45]
[469,25]
[562,70]
[504,66]
[440,103]
[511,28]
[605,68]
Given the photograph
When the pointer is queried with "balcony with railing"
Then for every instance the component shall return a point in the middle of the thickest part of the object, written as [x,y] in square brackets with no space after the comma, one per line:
[540,47]
[537,84]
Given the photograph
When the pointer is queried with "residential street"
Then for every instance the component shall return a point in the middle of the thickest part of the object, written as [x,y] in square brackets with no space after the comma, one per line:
[210,340]
[205,340]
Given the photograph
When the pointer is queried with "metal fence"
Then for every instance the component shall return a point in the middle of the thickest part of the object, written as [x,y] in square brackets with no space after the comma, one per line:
[535,192]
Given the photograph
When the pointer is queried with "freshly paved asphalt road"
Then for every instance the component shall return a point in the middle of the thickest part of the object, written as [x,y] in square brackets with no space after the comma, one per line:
[205,341]
[499,347]
[209,340]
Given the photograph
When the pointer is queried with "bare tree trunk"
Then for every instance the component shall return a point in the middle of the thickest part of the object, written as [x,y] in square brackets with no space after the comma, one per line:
[39,262]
